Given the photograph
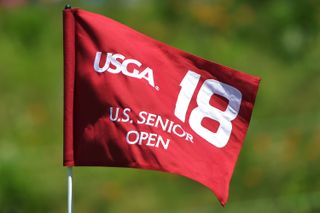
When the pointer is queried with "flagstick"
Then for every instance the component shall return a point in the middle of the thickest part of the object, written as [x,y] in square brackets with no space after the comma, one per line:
[69,174]
[69,169]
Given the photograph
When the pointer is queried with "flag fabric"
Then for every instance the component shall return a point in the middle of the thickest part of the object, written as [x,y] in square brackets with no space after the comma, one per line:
[132,101]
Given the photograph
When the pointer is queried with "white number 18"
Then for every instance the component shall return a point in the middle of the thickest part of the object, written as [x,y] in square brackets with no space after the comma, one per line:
[210,87]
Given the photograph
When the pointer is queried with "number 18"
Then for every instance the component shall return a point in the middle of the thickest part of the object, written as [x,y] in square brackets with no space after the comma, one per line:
[210,87]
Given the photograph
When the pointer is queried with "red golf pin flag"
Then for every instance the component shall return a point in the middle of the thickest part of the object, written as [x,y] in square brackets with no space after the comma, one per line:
[132,101]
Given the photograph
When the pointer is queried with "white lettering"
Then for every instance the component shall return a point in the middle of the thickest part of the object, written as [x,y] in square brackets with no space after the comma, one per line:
[135,138]
[116,63]
[126,115]
[165,144]
[147,74]
[147,139]
[116,114]
[152,137]
[142,117]
[125,67]
[175,131]
[115,66]
[151,119]
[165,125]
[97,62]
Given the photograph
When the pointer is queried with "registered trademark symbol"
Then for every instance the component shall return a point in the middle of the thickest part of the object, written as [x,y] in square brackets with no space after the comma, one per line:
[157,88]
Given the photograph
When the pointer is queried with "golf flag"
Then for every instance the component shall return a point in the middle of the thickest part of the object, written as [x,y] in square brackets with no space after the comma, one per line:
[132,101]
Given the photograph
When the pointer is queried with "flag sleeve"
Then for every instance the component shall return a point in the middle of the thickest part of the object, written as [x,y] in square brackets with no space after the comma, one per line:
[69,71]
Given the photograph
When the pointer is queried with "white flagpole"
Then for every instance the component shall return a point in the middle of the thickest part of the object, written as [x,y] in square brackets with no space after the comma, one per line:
[69,174]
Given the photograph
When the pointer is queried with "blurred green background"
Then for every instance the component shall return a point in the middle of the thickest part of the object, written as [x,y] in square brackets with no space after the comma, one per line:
[279,166]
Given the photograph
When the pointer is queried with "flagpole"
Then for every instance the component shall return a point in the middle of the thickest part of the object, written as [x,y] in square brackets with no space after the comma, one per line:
[69,175]
[69,169]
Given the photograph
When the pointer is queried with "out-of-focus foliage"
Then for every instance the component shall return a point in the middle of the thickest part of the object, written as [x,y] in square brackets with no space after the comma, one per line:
[278,169]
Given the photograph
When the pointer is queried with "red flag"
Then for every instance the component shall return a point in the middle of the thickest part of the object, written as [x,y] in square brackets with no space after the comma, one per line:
[132,101]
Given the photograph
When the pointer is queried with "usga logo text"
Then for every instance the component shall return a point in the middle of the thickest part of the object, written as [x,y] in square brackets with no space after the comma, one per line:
[120,65]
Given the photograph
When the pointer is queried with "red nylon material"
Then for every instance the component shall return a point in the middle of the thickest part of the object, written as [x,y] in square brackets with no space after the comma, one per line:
[91,138]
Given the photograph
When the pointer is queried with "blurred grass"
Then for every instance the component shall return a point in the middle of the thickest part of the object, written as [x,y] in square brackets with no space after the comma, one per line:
[278,169]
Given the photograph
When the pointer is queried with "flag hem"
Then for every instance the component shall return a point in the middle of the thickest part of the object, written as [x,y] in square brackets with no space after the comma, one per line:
[69,72]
